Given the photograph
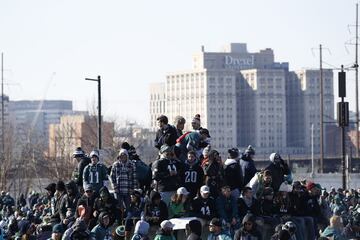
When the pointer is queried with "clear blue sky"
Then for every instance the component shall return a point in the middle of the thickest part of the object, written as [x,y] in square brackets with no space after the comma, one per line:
[51,46]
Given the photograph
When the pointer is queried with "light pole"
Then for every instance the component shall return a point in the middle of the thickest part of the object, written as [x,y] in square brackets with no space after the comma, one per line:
[99,107]
[343,120]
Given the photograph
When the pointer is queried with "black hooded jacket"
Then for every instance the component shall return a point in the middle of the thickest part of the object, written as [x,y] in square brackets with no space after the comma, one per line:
[79,170]
[253,233]
[70,199]
[277,173]
[155,214]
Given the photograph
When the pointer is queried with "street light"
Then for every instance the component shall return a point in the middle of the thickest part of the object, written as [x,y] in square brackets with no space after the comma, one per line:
[99,108]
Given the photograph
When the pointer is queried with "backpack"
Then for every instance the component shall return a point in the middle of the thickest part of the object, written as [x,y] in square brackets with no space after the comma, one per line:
[143,171]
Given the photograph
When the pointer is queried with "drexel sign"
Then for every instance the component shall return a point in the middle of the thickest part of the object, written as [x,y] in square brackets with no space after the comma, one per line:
[239,63]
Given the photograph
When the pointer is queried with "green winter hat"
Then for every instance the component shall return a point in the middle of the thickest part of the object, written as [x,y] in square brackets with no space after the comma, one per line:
[120,231]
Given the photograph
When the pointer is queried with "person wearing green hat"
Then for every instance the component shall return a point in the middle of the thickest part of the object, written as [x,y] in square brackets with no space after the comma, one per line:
[57,232]
[167,172]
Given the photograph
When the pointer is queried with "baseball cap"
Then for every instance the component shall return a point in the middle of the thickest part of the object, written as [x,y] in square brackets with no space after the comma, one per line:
[182,191]
[166,224]
[166,148]
[205,131]
[204,189]
[215,222]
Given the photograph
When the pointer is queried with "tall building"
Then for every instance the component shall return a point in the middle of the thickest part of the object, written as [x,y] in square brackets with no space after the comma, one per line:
[246,98]
[263,109]
[310,86]
[157,102]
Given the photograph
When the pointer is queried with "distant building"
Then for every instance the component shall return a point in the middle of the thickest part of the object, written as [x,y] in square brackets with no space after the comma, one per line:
[78,130]
[157,102]
[247,98]
[303,94]
[31,119]
[262,115]
[141,138]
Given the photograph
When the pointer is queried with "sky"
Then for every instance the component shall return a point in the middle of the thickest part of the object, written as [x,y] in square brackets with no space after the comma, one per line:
[50,46]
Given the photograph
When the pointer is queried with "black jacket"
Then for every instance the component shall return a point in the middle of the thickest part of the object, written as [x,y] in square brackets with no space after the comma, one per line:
[55,218]
[298,204]
[277,174]
[248,169]
[193,179]
[161,173]
[244,209]
[70,200]
[79,170]
[109,206]
[88,203]
[213,176]
[253,233]
[203,208]
[155,214]
[168,134]
[267,208]
[232,174]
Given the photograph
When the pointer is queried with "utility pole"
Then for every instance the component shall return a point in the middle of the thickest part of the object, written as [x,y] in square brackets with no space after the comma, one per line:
[321,114]
[2,107]
[99,108]
[357,83]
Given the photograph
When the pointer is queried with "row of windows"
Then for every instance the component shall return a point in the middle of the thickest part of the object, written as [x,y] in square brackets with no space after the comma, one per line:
[220,80]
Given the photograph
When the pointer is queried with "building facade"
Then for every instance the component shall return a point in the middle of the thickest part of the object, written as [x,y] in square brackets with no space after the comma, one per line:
[247,98]
[78,130]
[157,102]
[32,118]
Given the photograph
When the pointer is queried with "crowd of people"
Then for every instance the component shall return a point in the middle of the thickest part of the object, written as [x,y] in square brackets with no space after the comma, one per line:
[189,182]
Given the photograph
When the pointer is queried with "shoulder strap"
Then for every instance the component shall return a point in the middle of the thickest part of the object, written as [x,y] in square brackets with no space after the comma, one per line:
[182,137]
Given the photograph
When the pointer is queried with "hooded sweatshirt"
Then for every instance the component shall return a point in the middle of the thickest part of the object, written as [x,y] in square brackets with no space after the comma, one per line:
[108,205]
[226,208]
[332,232]
[162,235]
[213,175]
[155,214]
[248,205]
[100,231]
[141,230]
[232,176]
[278,171]
[248,168]
[195,228]
[243,234]
[70,200]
